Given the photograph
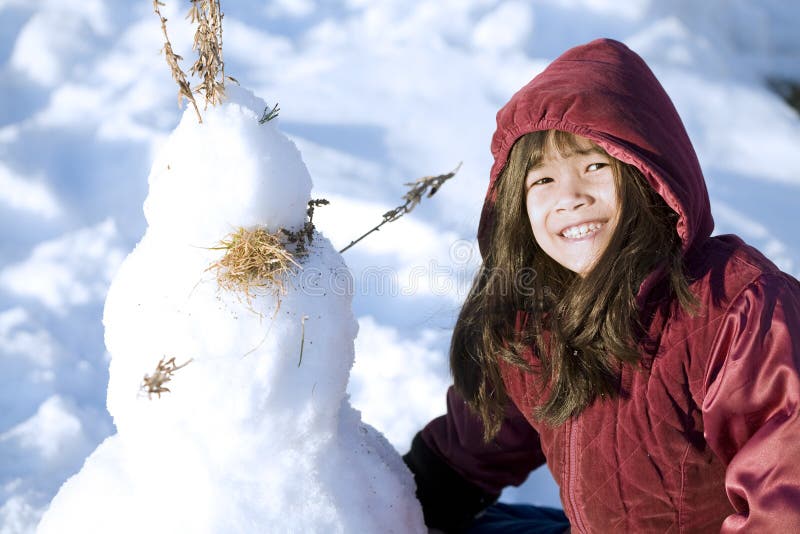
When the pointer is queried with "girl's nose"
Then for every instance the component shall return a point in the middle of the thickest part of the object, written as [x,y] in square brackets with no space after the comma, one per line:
[572,194]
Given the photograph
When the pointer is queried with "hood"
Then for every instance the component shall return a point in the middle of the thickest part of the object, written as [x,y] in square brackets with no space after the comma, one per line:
[605,92]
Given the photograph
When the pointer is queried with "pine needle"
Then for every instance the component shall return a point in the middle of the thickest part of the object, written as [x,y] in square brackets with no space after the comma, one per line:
[269,114]
[302,338]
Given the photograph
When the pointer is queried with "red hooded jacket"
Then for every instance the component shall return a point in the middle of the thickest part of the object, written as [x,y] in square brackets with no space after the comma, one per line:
[705,435]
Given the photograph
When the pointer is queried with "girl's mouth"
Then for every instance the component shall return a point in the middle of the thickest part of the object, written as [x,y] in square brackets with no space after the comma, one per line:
[580,231]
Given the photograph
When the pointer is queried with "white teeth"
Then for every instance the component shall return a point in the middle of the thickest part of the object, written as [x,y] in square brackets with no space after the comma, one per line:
[581,230]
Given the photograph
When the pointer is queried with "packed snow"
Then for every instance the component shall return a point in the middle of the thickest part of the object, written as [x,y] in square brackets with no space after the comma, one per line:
[374,94]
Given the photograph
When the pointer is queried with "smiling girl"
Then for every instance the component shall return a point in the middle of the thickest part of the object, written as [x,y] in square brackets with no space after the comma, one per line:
[652,367]
[571,199]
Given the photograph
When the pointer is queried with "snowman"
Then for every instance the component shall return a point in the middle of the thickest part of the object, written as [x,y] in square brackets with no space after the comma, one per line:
[230,406]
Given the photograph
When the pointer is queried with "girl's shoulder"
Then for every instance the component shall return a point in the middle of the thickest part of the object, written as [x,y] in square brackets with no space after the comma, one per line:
[739,292]
[722,267]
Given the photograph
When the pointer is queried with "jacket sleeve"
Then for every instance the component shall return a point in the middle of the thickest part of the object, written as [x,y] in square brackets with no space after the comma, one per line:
[457,474]
[750,408]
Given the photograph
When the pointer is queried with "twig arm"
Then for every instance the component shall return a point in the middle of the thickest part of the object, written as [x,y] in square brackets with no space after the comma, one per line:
[428,184]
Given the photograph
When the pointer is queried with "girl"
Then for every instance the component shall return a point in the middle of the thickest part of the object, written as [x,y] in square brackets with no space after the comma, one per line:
[652,367]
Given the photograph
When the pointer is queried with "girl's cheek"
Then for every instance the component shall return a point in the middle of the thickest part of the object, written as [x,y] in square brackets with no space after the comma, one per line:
[537,210]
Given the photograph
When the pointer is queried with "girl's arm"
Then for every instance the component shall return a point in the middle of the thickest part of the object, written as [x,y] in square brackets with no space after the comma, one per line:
[457,474]
[752,402]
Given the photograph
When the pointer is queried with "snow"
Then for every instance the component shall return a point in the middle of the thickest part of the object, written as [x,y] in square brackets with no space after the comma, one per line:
[44,54]
[401,366]
[52,432]
[374,95]
[24,193]
[71,270]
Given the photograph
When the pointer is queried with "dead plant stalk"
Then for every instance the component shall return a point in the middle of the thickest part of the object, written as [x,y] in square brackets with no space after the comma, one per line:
[164,370]
[209,67]
[427,186]
[184,90]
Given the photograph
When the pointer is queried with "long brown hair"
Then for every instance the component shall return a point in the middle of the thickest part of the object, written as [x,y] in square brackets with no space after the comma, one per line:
[581,328]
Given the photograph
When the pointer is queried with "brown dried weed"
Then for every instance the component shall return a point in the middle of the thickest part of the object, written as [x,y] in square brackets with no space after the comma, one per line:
[254,259]
[208,67]
[184,90]
[155,383]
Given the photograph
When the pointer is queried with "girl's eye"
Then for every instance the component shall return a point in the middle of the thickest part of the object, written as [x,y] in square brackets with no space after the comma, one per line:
[596,167]
[541,181]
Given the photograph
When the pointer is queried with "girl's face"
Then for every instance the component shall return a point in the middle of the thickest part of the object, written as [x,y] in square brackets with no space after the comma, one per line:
[572,205]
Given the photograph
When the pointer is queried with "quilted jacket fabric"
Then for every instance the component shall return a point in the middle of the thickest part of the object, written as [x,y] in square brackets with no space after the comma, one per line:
[705,434]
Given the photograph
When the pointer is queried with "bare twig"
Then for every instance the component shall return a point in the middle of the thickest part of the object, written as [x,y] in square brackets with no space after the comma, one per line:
[427,186]
[304,236]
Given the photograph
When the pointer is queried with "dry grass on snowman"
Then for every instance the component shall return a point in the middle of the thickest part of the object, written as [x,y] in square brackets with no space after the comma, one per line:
[254,259]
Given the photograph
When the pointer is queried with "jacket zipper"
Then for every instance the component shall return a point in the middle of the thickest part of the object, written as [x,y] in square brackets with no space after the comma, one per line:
[572,474]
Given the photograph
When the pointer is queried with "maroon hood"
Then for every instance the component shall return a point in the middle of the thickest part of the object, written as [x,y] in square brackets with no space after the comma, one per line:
[605,92]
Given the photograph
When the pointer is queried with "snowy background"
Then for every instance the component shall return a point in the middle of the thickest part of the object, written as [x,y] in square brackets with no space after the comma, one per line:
[375,94]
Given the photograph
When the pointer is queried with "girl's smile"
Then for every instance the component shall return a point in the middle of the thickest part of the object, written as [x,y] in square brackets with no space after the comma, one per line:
[572,204]
[582,230]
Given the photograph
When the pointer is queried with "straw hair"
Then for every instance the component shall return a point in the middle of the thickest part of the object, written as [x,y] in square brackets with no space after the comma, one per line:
[254,260]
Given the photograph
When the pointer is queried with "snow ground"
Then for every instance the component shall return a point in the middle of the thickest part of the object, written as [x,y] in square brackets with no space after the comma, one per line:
[375,94]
